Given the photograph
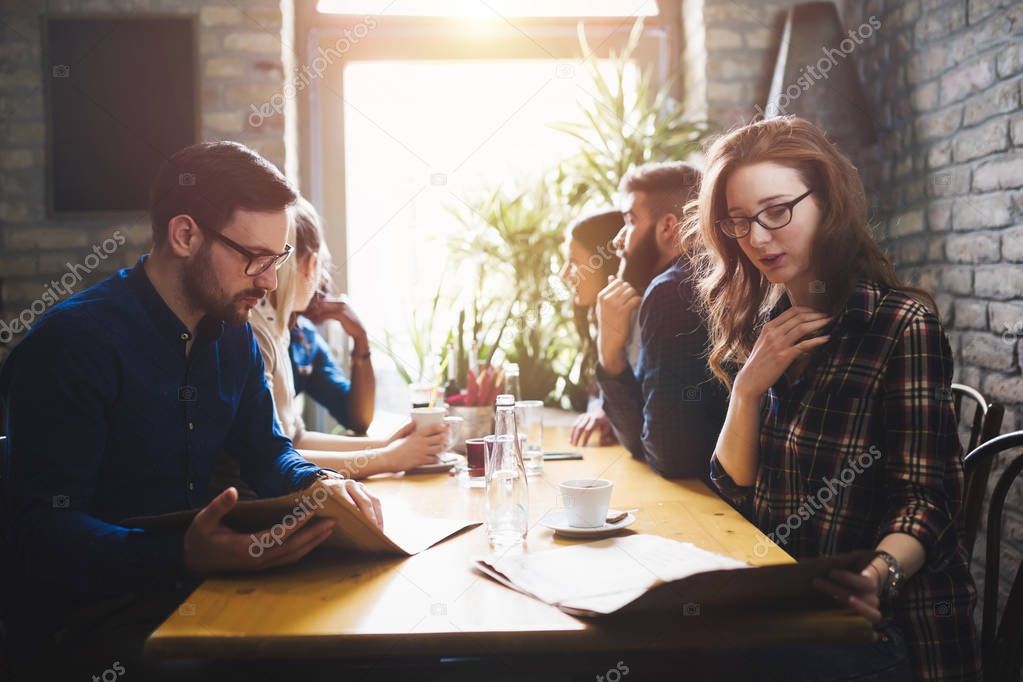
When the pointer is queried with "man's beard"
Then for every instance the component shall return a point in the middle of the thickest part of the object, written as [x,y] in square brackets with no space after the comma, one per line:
[205,293]
[639,266]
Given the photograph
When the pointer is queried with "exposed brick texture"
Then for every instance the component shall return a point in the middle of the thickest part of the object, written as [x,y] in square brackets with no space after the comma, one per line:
[240,65]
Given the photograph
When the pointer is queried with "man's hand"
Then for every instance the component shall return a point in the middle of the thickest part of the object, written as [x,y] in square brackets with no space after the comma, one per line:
[211,547]
[340,309]
[358,494]
[586,424]
[615,304]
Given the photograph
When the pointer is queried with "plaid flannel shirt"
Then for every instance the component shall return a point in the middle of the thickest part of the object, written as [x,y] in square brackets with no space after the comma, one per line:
[865,444]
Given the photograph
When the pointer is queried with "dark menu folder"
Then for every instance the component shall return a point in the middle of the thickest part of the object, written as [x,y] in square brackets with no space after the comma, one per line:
[352,530]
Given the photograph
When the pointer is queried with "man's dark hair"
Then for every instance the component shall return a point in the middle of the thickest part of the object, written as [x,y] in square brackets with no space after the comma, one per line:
[208,181]
[669,186]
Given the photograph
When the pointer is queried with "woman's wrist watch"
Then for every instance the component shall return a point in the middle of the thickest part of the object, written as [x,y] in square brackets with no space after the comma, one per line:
[892,583]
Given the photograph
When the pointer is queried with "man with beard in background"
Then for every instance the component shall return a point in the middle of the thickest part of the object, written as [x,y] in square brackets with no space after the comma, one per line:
[666,410]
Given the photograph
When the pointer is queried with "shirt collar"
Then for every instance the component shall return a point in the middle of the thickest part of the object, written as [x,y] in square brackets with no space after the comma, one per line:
[858,310]
[167,323]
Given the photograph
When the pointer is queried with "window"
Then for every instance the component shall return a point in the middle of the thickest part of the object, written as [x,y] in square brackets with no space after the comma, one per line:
[502,8]
[420,113]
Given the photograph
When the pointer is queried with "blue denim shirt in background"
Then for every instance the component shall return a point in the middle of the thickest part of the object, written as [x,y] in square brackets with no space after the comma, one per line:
[108,418]
[316,373]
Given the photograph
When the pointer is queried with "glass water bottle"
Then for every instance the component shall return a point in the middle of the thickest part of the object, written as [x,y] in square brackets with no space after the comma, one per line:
[507,492]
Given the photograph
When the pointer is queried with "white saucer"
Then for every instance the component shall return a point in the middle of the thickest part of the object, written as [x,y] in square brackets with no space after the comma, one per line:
[446,461]
[557,521]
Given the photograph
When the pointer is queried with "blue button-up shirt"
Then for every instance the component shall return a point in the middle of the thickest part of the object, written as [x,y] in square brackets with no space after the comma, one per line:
[316,373]
[108,418]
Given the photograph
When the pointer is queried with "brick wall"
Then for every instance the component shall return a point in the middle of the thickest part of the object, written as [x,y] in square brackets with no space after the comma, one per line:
[952,172]
[240,64]
[742,44]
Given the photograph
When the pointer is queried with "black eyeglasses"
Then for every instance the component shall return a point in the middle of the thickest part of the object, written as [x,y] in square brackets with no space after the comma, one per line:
[774,218]
[258,262]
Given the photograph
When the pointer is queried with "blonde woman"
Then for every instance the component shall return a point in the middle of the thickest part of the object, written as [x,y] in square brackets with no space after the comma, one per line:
[840,430]
[272,321]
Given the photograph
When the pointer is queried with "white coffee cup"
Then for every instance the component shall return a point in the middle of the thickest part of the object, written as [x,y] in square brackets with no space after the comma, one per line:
[428,416]
[586,501]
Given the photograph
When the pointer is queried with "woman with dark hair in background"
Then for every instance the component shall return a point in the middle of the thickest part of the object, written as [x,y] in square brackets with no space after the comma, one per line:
[590,261]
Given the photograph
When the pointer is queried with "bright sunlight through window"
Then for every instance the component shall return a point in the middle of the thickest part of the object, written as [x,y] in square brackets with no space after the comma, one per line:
[493,8]
[420,138]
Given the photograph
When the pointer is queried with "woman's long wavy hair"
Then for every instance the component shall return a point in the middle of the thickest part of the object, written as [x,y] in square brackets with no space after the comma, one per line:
[734,294]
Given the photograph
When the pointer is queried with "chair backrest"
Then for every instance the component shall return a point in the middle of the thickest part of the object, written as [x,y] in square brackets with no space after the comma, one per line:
[986,424]
[986,420]
[1000,641]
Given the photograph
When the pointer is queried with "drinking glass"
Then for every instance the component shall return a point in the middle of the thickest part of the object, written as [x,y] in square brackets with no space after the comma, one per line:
[530,413]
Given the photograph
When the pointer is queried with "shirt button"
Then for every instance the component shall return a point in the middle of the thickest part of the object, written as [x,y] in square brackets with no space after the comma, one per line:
[191,426]
[191,485]
[185,336]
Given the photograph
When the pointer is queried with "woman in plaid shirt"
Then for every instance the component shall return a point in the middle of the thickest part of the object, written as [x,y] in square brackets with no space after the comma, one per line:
[840,433]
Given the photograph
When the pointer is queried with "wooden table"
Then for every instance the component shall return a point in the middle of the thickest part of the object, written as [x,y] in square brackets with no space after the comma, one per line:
[434,604]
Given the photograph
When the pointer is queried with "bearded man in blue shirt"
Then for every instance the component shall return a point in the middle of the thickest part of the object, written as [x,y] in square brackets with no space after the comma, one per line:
[666,409]
[116,405]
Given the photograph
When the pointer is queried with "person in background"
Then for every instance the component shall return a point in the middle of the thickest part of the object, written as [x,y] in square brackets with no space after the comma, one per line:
[117,403]
[350,401]
[840,383]
[272,323]
[666,408]
[590,260]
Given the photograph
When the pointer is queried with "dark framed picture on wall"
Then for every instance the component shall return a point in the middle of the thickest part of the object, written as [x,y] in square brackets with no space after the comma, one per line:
[121,95]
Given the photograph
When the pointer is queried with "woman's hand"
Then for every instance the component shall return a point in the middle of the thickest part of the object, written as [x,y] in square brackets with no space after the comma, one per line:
[406,429]
[781,342]
[340,309]
[859,591]
[419,448]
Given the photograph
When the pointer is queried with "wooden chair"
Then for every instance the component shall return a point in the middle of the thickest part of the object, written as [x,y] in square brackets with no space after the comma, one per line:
[986,424]
[1000,640]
